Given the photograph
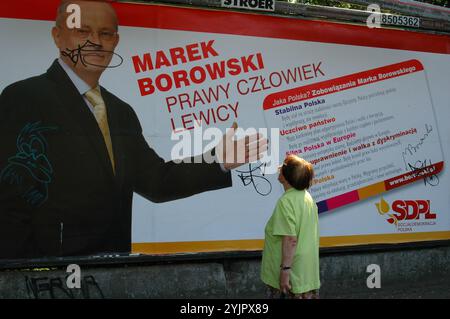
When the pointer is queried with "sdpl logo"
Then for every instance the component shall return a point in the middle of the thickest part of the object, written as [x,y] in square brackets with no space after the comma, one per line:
[406,213]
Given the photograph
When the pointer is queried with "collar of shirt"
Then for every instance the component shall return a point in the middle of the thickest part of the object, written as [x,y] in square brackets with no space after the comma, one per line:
[81,86]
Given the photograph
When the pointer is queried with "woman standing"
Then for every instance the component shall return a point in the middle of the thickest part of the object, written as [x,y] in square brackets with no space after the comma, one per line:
[290,263]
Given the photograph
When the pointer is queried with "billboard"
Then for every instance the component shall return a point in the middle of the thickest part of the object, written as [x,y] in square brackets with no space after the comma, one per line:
[367,107]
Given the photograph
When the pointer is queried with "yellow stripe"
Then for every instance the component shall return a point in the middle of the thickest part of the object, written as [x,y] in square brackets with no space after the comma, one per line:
[258,244]
[382,238]
[371,190]
[197,246]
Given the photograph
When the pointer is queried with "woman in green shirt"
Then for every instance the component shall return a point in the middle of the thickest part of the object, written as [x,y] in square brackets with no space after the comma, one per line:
[290,263]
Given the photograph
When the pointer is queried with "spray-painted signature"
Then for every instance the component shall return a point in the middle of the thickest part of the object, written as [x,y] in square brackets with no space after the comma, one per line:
[411,150]
[249,177]
[419,168]
[410,154]
[82,53]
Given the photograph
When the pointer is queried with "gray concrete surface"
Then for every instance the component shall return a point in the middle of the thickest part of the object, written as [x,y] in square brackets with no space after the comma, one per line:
[411,273]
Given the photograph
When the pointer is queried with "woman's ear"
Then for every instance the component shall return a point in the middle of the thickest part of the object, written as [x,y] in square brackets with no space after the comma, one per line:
[281,178]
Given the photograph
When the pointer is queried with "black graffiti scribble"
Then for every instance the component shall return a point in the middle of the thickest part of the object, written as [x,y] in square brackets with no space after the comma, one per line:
[252,175]
[410,150]
[89,48]
[44,287]
[89,285]
[56,288]
[419,169]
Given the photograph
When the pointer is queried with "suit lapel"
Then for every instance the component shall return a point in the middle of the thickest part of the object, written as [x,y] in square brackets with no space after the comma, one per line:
[77,113]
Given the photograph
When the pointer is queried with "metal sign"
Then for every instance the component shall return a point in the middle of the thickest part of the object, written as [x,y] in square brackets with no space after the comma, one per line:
[259,5]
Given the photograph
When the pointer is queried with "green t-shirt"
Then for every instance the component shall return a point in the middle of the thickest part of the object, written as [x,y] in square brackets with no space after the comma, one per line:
[295,215]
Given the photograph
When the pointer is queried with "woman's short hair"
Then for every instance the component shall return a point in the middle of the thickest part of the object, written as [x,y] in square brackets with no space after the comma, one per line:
[298,172]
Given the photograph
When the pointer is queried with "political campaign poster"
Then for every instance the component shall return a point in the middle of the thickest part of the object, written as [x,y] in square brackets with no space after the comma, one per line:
[367,107]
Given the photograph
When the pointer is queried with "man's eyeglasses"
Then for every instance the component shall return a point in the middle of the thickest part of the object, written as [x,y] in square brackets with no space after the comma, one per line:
[84,33]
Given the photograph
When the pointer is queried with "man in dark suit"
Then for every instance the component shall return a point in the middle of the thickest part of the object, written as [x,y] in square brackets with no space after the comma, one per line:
[72,153]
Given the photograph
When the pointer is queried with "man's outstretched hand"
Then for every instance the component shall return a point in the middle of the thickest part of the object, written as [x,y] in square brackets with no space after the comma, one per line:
[233,153]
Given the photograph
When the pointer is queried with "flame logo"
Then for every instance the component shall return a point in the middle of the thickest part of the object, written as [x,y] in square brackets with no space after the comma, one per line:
[383,208]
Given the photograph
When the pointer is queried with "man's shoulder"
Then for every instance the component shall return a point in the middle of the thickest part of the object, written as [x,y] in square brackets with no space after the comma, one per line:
[17,97]
[119,104]
[24,88]
[114,98]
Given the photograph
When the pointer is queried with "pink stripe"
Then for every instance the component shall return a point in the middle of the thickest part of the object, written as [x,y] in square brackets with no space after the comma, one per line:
[250,24]
[342,200]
